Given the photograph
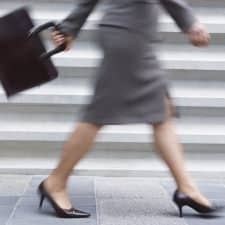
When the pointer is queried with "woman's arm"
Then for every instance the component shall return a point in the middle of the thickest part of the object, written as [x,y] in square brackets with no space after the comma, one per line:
[72,24]
[181,12]
[185,18]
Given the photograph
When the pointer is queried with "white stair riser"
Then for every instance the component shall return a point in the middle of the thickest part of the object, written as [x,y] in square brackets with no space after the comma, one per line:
[69,112]
[51,150]
[185,64]
[168,37]
[85,73]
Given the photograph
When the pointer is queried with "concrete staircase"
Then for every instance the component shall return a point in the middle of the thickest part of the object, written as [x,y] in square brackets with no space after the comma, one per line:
[34,124]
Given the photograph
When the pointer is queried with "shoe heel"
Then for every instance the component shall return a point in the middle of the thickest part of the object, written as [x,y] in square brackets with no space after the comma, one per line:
[41,201]
[178,202]
[180,211]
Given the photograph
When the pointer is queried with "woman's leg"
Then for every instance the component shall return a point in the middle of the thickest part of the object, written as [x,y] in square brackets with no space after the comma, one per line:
[171,151]
[74,149]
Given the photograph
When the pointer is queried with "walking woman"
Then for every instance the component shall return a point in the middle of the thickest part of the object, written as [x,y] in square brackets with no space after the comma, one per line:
[129,88]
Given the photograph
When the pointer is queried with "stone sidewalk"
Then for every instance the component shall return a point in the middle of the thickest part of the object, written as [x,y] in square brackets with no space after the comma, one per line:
[111,201]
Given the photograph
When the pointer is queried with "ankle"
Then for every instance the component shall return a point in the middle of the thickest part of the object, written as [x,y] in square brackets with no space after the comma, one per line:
[188,187]
[55,184]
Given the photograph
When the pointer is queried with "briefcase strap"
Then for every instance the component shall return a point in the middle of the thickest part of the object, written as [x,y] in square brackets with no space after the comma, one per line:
[37,30]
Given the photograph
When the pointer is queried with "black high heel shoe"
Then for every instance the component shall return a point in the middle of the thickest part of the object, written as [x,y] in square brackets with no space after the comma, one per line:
[181,199]
[63,213]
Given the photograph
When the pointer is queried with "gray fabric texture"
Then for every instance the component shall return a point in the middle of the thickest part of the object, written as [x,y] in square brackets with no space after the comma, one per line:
[137,15]
[129,86]
[134,201]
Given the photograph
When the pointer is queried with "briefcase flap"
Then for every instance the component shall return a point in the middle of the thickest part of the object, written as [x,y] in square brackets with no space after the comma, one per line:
[15,26]
[22,65]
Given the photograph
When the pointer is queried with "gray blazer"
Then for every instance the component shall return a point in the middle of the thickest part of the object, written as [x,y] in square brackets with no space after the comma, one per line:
[140,15]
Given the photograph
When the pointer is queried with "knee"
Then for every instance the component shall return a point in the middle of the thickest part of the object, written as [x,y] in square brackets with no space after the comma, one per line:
[90,125]
[161,125]
[98,126]
[157,125]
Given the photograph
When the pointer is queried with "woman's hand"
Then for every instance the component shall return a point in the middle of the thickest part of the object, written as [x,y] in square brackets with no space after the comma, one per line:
[198,35]
[58,38]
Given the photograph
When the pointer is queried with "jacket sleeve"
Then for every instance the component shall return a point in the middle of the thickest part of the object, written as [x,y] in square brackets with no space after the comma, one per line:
[181,12]
[74,21]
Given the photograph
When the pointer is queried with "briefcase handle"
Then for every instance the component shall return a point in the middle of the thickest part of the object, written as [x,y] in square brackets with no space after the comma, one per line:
[35,31]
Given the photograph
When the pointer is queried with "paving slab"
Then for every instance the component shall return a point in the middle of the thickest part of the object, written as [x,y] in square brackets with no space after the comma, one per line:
[5,212]
[8,200]
[56,221]
[132,201]
[137,212]
[128,188]
[13,185]
[205,221]
[7,204]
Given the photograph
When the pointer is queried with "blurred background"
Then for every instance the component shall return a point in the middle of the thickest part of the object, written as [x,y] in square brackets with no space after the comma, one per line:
[35,124]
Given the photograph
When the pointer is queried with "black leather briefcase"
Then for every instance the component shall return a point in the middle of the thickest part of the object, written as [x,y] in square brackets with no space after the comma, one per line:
[24,62]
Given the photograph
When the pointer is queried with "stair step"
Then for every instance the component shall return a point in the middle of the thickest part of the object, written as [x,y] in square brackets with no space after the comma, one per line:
[92,49]
[109,167]
[69,112]
[213,18]
[192,130]
[206,93]
[208,59]
[193,98]
[81,72]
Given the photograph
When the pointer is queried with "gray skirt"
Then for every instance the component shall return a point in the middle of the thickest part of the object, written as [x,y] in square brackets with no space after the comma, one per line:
[129,86]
